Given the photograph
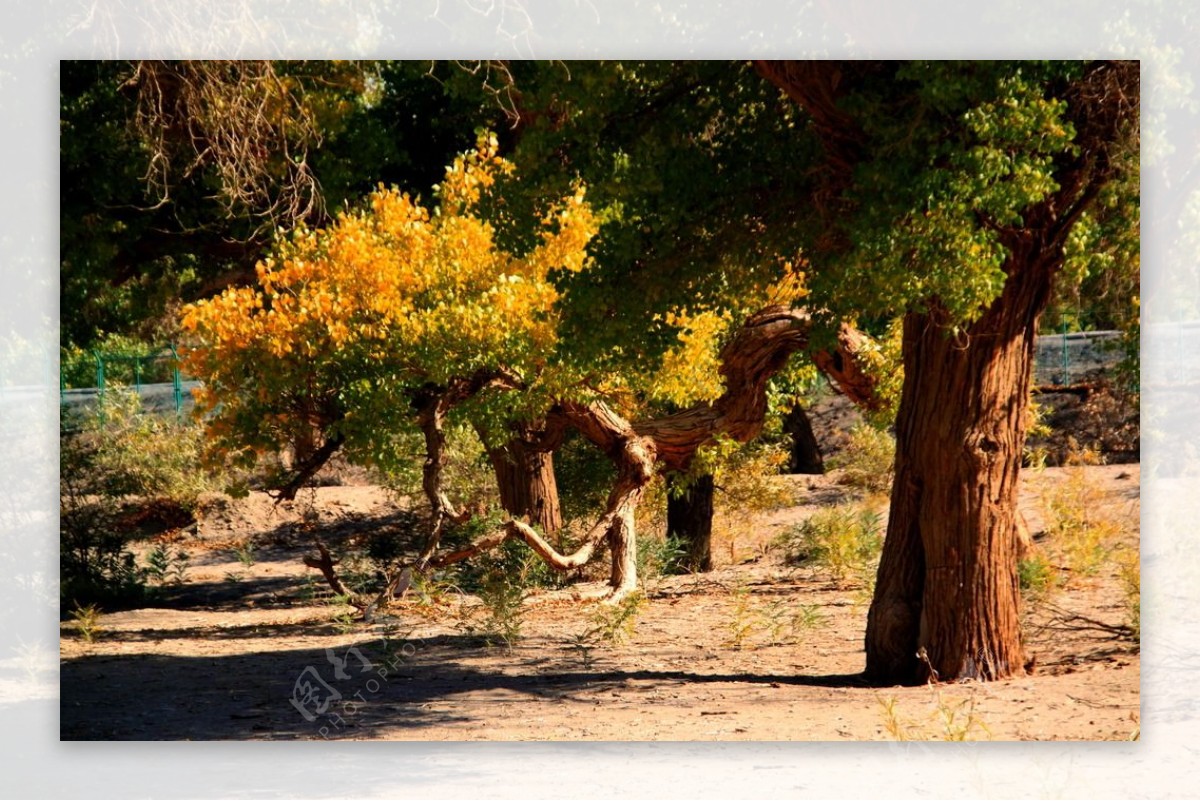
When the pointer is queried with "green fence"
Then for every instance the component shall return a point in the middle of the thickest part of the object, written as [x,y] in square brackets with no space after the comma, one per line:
[146,373]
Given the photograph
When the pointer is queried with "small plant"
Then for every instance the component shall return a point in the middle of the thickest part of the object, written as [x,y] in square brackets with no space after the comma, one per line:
[775,621]
[958,721]
[164,566]
[430,590]
[1129,570]
[583,644]
[503,600]
[344,621]
[742,620]
[1077,524]
[87,621]
[613,623]
[1038,577]
[807,617]
[610,624]
[845,539]
[868,461]
[951,722]
[235,576]
[245,553]
[658,557]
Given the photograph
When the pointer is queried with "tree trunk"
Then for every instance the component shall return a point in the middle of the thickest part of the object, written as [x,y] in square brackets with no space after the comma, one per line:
[946,602]
[525,477]
[689,518]
[805,455]
[637,450]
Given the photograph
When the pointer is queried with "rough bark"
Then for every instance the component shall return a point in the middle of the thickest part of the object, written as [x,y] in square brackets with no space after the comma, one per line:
[634,458]
[805,457]
[689,518]
[946,602]
[525,478]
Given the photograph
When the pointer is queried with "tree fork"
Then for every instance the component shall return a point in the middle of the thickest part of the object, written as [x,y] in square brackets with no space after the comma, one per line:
[760,349]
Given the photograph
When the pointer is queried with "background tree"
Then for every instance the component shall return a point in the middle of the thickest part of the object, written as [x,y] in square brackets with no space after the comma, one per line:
[174,174]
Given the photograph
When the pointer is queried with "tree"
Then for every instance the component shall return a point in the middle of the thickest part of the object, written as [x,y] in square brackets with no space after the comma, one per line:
[944,193]
[950,192]
[389,319]
[397,316]
[175,173]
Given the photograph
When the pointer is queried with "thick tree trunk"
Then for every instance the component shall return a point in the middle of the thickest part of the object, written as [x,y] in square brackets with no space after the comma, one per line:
[805,457]
[946,602]
[525,477]
[689,518]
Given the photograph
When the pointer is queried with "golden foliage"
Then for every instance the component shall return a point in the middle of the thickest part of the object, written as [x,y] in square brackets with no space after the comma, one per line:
[392,294]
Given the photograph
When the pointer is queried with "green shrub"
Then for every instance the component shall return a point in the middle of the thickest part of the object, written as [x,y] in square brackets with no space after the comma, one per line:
[660,556]
[1038,577]
[164,566]
[846,540]
[122,473]
[868,461]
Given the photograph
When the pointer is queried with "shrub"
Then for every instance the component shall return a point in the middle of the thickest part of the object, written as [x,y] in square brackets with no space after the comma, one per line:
[846,540]
[122,473]
[1130,574]
[1037,576]
[868,461]
[1079,528]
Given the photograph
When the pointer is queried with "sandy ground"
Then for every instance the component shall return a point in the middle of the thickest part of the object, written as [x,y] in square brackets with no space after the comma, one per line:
[247,649]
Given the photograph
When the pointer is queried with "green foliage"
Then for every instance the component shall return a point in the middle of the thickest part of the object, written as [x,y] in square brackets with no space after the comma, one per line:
[165,566]
[503,599]
[87,621]
[652,139]
[746,477]
[845,540]
[1038,577]
[125,451]
[121,472]
[583,475]
[467,474]
[969,150]
[612,624]
[245,552]
[660,556]
[869,459]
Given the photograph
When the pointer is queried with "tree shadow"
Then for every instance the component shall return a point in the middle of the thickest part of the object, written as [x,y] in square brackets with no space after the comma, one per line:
[398,689]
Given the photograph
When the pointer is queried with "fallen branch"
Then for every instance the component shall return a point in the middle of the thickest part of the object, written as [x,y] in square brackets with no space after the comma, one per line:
[327,565]
[1084,391]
